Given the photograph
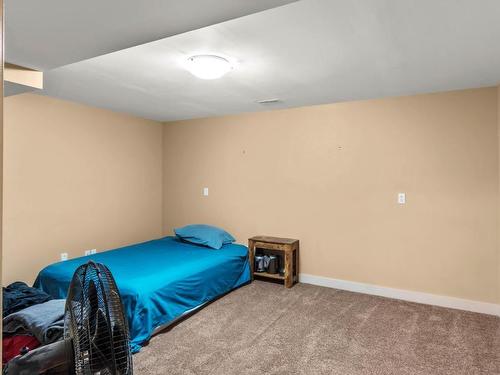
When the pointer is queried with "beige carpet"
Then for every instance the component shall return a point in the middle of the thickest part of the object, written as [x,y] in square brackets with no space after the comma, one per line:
[263,328]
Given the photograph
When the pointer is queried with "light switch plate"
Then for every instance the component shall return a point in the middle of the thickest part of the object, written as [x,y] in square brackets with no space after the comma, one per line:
[205,192]
[402,198]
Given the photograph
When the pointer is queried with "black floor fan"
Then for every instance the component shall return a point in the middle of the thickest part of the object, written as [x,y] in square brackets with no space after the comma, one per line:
[96,337]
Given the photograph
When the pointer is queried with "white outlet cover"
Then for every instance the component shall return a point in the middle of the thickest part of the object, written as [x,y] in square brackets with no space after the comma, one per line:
[64,256]
[90,252]
[402,198]
[205,192]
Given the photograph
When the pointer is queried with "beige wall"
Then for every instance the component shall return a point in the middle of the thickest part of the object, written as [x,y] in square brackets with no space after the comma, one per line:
[76,178]
[329,175]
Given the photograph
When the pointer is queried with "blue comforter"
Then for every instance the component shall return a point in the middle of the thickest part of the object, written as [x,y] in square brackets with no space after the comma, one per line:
[159,280]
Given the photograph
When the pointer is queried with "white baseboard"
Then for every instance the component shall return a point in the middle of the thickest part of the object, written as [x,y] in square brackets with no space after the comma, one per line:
[405,295]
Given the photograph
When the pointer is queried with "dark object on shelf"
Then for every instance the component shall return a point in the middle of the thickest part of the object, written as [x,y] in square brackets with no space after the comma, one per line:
[282,270]
[272,266]
[259,263]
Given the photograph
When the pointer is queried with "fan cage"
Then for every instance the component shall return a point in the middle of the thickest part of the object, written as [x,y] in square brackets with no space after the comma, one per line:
[95,322]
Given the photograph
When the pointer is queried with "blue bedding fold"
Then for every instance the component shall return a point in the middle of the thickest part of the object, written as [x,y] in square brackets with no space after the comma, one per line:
[159,280]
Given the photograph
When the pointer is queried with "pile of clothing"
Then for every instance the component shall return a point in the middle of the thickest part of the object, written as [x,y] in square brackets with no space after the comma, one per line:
[31,318]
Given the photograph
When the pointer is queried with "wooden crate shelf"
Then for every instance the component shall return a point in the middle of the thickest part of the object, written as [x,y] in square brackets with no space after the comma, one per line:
[287,248]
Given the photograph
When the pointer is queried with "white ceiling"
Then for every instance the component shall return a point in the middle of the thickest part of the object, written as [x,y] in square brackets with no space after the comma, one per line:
[44,34]
[308,52]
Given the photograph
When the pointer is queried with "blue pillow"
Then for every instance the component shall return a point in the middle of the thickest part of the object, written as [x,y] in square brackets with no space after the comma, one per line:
[202,234]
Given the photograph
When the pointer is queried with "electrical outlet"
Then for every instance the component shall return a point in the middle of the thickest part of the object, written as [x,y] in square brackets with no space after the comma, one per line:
[402,198]
[205,192]
[64,256]
[90,252]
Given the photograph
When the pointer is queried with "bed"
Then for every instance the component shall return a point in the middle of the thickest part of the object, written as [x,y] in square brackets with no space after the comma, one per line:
[159,280]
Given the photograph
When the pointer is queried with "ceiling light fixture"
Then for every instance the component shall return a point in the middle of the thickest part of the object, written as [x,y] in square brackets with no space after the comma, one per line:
[208,66]
[269,101]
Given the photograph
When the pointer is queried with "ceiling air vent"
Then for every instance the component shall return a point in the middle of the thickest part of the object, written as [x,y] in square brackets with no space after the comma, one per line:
[269,101]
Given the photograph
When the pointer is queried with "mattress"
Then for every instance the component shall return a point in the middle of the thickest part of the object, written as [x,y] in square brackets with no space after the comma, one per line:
[159,280]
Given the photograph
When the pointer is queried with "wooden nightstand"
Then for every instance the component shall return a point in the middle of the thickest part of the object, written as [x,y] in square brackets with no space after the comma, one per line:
[287,248]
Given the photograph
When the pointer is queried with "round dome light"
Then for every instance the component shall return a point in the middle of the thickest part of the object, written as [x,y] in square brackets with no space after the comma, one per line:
[208,66]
